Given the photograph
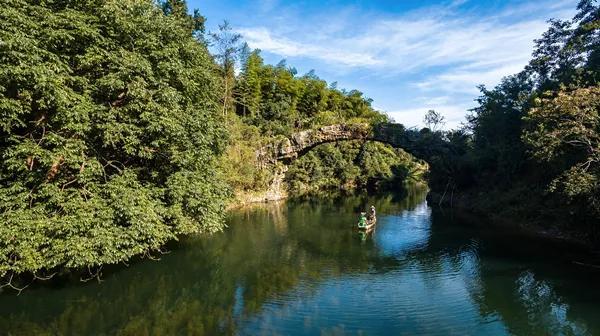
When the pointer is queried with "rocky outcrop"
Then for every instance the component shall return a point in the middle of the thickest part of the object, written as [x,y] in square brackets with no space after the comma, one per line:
[277,190]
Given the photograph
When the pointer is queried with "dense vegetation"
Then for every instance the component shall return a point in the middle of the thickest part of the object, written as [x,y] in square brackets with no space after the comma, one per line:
[109,131]
[354,164]
[119,131]
[270,102]
[533,143]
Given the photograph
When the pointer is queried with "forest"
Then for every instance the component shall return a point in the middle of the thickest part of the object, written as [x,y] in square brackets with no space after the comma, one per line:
[272,102]
[531,147]
[125,125]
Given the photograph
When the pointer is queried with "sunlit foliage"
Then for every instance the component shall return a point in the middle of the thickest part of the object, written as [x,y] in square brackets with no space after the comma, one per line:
[567,135]
[108,132]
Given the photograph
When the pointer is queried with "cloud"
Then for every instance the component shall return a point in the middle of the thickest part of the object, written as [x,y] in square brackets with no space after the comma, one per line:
[441,52]
[262,38]
[466,81]
[413,117]
[443,37]
[268,5]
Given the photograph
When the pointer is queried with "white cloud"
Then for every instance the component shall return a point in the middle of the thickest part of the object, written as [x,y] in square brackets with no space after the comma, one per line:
[441,52]
[268,5]
[462,80]
[412,43]
[262,38]
[413,117]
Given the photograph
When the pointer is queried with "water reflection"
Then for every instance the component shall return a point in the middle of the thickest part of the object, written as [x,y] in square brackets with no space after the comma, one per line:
[299,268]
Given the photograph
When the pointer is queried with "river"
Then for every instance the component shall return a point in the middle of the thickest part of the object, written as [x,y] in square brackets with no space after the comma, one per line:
[298,268]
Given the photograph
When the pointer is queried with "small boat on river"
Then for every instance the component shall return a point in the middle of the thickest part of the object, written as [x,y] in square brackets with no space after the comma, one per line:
[365,223]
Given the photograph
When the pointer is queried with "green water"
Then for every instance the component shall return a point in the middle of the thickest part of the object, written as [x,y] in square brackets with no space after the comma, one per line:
[298,269]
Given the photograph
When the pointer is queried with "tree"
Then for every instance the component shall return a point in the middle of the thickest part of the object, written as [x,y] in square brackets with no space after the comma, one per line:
[569,51]
[179,9]
[565,132]
[109,130]
[497,126]
[249,95]
[314,96]
[434,120]
[175,7]
[228,46]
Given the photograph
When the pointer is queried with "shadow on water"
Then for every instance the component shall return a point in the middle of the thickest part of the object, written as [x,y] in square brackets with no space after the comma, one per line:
[299,268]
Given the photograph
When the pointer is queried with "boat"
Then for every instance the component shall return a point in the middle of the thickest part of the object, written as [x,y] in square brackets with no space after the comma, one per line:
[366,224]
[369,227]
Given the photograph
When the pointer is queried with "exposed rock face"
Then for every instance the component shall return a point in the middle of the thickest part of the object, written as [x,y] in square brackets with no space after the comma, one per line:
[277,190]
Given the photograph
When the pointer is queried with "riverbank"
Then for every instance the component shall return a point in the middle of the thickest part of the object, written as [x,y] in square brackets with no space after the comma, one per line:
[243,199]
[505,209]
[279,192]
[522,209]
[300,269]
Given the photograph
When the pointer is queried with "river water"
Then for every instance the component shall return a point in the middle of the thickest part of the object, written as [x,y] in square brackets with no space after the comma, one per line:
[298,268]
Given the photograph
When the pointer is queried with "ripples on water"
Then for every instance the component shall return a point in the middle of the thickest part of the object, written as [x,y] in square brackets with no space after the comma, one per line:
[299,269]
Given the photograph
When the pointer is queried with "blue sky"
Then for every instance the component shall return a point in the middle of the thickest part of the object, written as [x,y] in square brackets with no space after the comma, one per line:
[409,56]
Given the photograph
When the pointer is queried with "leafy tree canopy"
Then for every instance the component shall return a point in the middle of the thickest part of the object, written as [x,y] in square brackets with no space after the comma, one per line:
[109,127]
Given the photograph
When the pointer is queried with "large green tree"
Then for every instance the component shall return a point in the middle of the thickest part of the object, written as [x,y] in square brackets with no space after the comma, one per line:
[109,126]
[567,135]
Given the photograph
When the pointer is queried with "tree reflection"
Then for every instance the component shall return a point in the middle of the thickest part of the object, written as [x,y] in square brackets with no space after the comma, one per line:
[274,253]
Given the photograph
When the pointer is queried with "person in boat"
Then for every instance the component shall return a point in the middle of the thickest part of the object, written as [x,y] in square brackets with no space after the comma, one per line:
[372,214]
[362,221]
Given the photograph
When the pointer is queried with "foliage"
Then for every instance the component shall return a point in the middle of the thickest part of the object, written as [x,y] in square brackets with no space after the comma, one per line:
[278,102]
[353,164]
[434,120]
[497,127]
[272,103]
[108,132]
[114,124]
[566,134]
[242,171]
[569,52]
[228,46]
[538,128]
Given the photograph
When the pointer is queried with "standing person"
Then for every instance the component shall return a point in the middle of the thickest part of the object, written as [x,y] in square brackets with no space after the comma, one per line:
[372,214]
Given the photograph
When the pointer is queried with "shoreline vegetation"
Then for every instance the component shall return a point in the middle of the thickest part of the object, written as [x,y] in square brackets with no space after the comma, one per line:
[469,207]
[125,125]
